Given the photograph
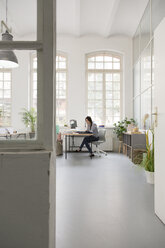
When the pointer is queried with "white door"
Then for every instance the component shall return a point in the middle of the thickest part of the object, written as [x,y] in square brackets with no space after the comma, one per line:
[159,52]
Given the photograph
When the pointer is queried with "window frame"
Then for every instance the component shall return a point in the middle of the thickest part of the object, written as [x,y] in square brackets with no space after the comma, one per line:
[32,70]
[63,54]
[45,47]
[103,71]
[3,70]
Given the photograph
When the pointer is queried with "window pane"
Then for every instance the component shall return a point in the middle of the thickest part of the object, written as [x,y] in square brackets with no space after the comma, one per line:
[35,76]
[1,76]
[91,95]
[137,111]
[7,94]
[116,66]
[1,93]
[99,58]
[108,77]
[98,95]
[137,79]
[146,109]
[109,85]
[116,95]
[99,86]
[61,89]
[7,76]
[108,65]
[146,69]
[1,85]
[104,89]
[99,76]
[91,66]
[136,45]
[116,77]
[109,103]
[99,65]
[107,58]
[91,86]
[108,94]
[116,86]
[91,76]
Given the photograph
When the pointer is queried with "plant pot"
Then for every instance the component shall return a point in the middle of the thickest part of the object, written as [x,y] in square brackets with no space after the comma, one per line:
[120,137]
[150,177]
[32,135]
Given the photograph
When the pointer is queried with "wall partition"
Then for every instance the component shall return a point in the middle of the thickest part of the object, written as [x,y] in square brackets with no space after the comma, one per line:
[143,63]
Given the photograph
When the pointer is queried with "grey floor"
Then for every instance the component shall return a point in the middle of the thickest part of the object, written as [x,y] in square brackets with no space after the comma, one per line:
[105,203]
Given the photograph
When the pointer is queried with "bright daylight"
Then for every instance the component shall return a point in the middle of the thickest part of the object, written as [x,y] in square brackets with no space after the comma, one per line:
[82,124]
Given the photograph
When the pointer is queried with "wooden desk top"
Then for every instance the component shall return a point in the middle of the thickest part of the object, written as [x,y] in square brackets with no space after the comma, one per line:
[78,134]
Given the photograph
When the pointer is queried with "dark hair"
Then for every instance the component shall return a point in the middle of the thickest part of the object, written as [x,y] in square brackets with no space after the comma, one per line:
[89,119]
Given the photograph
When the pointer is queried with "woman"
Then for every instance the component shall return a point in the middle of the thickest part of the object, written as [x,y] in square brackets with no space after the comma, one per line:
[91,128]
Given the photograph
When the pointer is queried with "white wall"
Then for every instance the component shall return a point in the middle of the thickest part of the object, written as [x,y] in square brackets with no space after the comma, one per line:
[76,48]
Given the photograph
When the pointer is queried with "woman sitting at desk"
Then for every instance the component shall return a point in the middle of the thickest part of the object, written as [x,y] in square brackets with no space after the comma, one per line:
[91,128]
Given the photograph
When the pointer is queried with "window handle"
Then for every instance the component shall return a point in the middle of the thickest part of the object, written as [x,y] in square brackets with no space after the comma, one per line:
[156,116]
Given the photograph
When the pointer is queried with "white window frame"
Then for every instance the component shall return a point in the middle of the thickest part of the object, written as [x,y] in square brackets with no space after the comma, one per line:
[105,53]
[32,70]
[63,54]
[2,70]
[45,47]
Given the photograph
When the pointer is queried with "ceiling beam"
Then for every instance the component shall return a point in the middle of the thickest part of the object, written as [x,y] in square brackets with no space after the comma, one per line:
[77,17]
[112,16]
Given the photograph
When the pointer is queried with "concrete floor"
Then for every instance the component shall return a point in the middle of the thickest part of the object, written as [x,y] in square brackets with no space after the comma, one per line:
[105,203]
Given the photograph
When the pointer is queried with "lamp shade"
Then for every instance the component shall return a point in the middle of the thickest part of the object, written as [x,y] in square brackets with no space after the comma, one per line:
[8,58]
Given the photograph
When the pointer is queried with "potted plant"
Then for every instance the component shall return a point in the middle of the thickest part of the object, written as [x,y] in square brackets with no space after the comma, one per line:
[148,158]
[29,118]
[121,126]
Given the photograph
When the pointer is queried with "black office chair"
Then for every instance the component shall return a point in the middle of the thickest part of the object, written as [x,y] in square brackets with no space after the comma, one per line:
[73,124]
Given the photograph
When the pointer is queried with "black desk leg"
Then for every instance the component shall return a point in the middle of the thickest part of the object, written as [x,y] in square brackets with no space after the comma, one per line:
[69,143]
[65,146]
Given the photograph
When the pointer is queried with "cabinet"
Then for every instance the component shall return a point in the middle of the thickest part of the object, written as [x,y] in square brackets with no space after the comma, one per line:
[133,143]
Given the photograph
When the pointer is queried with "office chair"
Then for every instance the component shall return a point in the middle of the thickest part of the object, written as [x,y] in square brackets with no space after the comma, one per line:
[73,124]
[101,140]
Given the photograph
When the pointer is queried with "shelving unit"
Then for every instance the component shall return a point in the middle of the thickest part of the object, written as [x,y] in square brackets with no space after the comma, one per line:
[133,143]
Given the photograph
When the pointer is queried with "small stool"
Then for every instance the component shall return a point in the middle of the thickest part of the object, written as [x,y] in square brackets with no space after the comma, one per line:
[120,146]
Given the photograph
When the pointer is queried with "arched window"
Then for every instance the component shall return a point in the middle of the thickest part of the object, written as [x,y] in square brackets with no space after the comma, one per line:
[104,84]
[5,97]
[33,87]
[61,88]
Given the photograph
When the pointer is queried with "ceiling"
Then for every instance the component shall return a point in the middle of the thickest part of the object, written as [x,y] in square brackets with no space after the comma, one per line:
[101,17]
[78,17]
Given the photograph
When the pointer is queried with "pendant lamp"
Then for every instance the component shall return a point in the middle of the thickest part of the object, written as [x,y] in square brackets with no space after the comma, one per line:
[8,58]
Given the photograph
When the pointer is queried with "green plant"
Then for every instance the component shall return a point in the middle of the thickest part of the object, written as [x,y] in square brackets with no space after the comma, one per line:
[148,159]
[121,126]
[29,118]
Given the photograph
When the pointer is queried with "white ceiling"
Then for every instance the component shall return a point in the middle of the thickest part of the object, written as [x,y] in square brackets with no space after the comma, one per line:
[78,17]
[102,17]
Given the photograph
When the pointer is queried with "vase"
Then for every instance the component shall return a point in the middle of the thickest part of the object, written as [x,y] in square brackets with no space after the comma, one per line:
[120,137]
[150,177]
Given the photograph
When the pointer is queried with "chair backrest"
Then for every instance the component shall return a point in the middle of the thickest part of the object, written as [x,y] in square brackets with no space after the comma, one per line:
[73,124]
[102,133]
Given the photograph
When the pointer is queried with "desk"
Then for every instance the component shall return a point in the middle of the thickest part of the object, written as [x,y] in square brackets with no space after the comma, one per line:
[13,135]
[68,135]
